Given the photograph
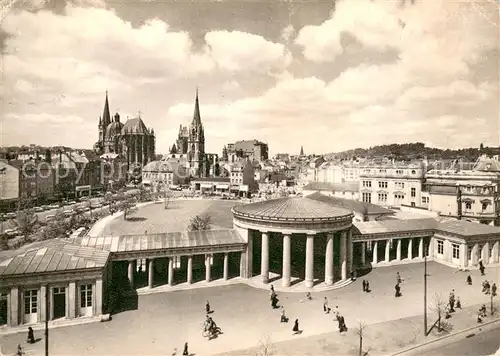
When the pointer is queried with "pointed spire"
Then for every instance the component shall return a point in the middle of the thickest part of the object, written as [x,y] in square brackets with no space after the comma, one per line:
[100,121]
[196,116]
[301,150]
[106,116]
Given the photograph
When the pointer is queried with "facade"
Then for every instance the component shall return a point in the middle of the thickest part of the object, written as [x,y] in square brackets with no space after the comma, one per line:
[211,185]
[251,149]
[59,280]
[393,184]
[9,183]
[339,190]
[132,140]
[191,142]
[165,173]
[242,177]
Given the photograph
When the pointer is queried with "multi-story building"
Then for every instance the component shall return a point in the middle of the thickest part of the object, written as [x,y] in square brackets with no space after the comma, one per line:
[251,149]
[392,184]
[165,173]
[9,185]
[241,177]
[465,194]
[191,142]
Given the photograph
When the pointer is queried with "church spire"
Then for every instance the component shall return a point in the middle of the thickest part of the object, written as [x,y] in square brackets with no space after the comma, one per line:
[301,150]
[196,116]
[106,116]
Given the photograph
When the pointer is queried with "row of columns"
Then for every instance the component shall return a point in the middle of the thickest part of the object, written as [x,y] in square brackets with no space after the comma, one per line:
[345,258]
[387,257]
[150,270]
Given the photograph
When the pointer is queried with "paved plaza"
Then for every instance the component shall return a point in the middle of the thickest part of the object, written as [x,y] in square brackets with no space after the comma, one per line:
[164,321]
[154,218]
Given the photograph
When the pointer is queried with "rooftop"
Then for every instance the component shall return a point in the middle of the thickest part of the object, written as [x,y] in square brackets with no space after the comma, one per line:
[291,208]
[334,187]
[213,179]
[466,228]
[54,256]
[394,226]
[351,205]
[162,241]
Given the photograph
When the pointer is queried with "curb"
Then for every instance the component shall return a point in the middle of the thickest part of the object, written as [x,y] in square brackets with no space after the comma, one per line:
[445,337]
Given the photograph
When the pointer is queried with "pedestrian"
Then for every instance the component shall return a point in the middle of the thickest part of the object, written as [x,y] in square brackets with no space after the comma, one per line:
[458,304]
[31,336]
[481,267]
[398,290]
[353,277]
[469,280]
[494,290]
[336,312]
[488,287]
[367,287]
[296,327]
[272,289]
[308,296]
[274,302]
[343,327]
[185,352]
[207,307]
[364,285]
[452,301]
[398,278]
[283,319]
[326,309]
[19,350]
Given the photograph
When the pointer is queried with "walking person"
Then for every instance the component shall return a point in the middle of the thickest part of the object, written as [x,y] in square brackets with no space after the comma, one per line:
[207,307]
[452,301]
[367,287]
[283,319]
[469,280]
[458,304]
[494,290]
[296,327]
[398,290]
[336,312]
[364,285]
[398,278]
[31,336]
[342,326]
[185,352]
[487,287]
[326,309]
[481,267]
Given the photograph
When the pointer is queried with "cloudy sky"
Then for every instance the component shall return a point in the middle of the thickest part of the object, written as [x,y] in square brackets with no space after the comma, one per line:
[326,76]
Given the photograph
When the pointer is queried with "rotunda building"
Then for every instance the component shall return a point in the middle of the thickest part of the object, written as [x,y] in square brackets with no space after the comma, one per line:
[296,238]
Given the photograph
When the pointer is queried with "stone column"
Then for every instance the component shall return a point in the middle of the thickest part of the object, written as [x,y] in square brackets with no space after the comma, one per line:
[363,253]
[474,254]
[151,272]
[43,302]
[375,252]
[264,258]
[387,251]
[398,250]
[349,252]
[494,252]
[421,248]
[131,272]
[72,300]
[189,270]
[343,255]
[410,248]
[98,297]
[171,270]
[329,259]
[286,275]
[208,269]
[309,280]
[485,253]
[463,255]
[226,266]
[14,306]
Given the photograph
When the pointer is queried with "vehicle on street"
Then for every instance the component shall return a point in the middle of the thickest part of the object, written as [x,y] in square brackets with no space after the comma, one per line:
[10,215]
[38,209]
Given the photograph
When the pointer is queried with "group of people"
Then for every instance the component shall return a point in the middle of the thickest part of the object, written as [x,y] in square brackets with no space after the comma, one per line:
[481,313]
[487,288]
[366,286]
[453,302]
[209,326]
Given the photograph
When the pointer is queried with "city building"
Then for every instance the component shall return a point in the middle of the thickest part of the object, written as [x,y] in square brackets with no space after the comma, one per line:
[165,173]
[284,240]
[191,142]
[242,177]
[211,185]
[465,194]
[251,149]
[340,190]
[132,140]
[9,185]
[392,184]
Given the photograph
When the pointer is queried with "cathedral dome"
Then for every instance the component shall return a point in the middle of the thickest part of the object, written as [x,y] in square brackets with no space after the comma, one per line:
[135,126]
[114,129]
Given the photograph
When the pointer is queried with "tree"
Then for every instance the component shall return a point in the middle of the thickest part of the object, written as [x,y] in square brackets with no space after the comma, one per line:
[48,156]
[167,195]
[360,331]
[57,227]
[126,204]
[200,222]
[439,307]
[26,221]
[266,348]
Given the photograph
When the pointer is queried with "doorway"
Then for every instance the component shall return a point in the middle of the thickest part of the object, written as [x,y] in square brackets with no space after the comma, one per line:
[3,308]
[30,306]
[59,300]
[86,300]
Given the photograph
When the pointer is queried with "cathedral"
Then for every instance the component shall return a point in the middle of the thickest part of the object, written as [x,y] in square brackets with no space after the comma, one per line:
[191,144]
[132,141]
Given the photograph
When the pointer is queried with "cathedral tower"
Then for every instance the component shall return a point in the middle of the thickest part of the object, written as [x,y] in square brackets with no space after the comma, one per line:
[196,142]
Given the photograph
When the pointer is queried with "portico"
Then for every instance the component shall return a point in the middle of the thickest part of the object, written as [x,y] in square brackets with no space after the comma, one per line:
[298,235]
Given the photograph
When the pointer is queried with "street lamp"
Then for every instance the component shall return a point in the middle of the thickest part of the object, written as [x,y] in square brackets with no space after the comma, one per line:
[425,287]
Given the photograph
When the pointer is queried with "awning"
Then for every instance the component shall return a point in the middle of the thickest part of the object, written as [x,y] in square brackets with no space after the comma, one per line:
[205,185]
[235,187]
[222,186]
[244,188]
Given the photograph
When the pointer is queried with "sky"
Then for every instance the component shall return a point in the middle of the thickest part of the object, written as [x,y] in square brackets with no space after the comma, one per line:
[328,76]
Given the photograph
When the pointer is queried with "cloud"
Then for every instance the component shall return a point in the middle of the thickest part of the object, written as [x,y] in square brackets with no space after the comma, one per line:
[287,33]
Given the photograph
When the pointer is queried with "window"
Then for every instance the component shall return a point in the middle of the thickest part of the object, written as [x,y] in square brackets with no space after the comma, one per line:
[381,170]
[469,254]
[382,184]
[399,196]
[456,250]
[176,262]
[399,171]
[413,172]
[413,192]
[484,206]
[367,184]
[425,200]
[86,295]
[440,247]
[367,197]
[382,197]
[468,206]
[399,185]
[30,301]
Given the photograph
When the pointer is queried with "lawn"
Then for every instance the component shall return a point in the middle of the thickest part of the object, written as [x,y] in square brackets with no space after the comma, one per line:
[155,218]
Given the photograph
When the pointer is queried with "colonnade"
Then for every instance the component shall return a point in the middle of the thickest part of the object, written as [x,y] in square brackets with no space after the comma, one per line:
[410,254]
[345,258]
[150,268]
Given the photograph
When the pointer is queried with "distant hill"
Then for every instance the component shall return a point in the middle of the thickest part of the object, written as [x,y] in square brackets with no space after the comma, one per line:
[417,150]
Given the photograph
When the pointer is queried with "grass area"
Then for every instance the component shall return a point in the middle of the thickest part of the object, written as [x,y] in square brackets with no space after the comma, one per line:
[154,218]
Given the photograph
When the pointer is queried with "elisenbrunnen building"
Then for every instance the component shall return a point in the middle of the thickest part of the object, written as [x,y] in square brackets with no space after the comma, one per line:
[298,244]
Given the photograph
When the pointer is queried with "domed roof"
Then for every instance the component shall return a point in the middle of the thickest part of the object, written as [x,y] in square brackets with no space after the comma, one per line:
[114,129]
[135,126]
[291,208]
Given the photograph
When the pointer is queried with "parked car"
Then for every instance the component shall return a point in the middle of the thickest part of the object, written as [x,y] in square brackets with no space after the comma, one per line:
[10,215]
[38,209]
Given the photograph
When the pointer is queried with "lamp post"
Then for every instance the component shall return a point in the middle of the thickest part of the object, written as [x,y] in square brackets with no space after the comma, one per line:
[47,311]
[425,288]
